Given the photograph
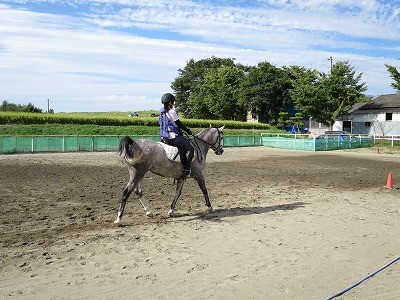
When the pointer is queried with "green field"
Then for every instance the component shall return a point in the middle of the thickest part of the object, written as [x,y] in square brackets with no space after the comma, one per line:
[111,124]
[73,129]
[121,123]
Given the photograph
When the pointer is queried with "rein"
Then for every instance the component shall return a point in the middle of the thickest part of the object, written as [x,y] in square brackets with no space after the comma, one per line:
[216,148]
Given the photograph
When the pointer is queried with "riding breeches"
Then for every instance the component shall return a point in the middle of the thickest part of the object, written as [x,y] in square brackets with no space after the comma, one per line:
[186,150]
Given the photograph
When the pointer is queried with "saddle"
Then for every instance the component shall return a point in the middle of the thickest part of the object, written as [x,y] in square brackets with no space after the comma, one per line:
[172,152]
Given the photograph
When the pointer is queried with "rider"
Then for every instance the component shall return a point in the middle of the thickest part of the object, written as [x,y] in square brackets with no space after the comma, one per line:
[171,132]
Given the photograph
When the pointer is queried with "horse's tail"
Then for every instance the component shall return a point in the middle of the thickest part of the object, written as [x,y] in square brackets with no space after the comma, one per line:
[127,151]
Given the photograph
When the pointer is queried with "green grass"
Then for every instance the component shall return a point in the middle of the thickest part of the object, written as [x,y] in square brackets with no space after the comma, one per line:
[75,129]
[385,146]
[108,119]
[112,123]
[142,113]
[89,129]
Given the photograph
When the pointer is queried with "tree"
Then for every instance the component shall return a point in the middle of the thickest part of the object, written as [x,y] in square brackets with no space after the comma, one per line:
[395,74]
[6,106]
[266,92]
[282,120]
[217,96]
[297,122]
[325,97]
[383,127]
[191,75]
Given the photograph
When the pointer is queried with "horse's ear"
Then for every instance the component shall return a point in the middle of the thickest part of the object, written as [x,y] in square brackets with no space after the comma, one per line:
[210,126]
[221,128]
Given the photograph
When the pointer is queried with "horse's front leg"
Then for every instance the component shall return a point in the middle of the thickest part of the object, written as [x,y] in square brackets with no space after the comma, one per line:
[178,192]
[202,184]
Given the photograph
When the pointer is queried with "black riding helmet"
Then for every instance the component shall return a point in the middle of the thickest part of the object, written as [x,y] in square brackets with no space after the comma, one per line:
[167,98]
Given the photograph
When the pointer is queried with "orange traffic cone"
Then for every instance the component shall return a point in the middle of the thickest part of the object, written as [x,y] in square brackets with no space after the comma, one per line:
[389,183]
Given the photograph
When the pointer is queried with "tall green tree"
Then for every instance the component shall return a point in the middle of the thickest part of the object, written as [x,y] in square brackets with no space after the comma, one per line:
[325,97]
[395,74]
[217,96]
[191,75]
[266,92]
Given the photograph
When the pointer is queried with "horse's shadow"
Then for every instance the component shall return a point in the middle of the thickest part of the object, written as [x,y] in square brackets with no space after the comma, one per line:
[223,213]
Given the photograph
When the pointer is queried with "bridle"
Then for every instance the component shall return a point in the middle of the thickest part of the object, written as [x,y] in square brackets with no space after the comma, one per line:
[217,147]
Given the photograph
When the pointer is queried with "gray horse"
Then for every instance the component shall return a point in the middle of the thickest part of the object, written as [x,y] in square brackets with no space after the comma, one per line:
[142,156]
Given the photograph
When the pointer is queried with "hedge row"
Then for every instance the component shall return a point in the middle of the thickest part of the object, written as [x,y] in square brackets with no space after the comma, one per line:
[41,118]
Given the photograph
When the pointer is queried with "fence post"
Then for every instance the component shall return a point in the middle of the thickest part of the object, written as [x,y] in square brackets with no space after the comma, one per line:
[315,142]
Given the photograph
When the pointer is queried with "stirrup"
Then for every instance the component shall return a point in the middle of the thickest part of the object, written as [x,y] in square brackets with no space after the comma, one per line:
[186,172]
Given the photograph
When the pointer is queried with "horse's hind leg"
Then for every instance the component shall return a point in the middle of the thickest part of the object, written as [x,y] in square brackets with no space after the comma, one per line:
[202,184]
[178,192]
[134,184]
[145,204]
[125,195]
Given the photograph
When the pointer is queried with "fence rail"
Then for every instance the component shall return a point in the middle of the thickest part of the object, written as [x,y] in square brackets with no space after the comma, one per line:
[312,142]
[33,144]
[392,139]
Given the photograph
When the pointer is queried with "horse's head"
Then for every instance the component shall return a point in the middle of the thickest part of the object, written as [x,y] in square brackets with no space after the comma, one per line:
[218,145]
[213,137]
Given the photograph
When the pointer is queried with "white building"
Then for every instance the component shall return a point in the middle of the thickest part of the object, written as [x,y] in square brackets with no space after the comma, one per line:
[380,116]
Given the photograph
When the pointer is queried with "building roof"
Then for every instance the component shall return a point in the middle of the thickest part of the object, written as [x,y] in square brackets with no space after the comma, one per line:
[356,107]
[382,103]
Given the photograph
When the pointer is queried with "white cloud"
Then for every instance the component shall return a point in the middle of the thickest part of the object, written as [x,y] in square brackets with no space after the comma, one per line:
[103,56]
[361,18]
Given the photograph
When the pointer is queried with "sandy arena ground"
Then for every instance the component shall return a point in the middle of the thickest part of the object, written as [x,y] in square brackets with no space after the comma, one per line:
[287,225]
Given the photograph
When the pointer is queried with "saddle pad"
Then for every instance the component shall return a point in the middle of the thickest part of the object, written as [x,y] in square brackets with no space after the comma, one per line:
[171,152]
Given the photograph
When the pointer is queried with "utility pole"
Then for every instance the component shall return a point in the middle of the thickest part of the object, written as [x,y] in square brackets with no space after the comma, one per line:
[331,59]
[48,105]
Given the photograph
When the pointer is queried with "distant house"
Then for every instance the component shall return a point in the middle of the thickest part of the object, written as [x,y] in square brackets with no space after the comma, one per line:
[380,116]
[251,118]
[316,127]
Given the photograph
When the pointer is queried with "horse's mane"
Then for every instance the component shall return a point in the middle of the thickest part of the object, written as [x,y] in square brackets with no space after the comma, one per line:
[204,132]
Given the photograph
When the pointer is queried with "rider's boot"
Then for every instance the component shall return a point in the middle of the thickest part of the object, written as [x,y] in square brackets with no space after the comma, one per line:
[187,167]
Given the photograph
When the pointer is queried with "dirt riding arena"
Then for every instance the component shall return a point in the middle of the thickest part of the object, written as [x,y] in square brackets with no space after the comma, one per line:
[287,225]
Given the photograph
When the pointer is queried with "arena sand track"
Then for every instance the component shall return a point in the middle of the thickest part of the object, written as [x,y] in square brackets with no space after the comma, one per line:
[287,225]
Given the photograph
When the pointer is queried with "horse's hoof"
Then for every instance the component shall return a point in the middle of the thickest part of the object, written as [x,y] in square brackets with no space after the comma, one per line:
[117,221]
[171,213]
[210,209]
[149,214]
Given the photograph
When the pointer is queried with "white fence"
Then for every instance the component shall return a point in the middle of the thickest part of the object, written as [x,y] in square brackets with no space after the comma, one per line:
[394,139]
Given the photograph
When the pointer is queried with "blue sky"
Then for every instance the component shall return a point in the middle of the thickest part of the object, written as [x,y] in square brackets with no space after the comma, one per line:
[122,55]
